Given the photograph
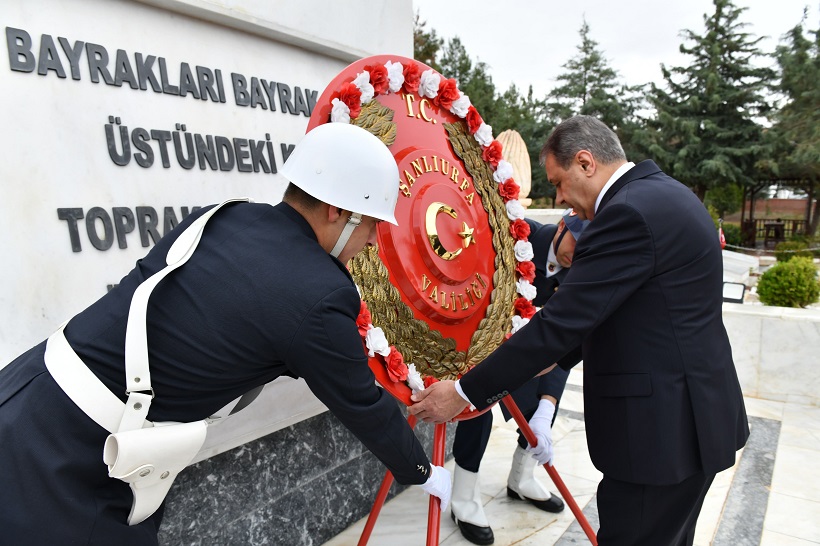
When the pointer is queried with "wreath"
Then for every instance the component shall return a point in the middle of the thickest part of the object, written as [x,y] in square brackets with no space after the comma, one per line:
[351,100]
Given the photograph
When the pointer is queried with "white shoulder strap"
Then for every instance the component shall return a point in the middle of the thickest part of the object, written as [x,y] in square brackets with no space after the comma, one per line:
[137,373]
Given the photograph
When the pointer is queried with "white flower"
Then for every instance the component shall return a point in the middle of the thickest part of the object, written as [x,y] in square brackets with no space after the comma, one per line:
[461,105]
[523,252]
[484,135]
[376,342]
[395,73]
[515,210]
[526,289]
[414,380]
[428,84]
[362,81]
[503,171]
[340,112]
[518,323]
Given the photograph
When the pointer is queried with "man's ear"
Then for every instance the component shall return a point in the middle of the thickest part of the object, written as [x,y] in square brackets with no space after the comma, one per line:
[333,213]
[587,161]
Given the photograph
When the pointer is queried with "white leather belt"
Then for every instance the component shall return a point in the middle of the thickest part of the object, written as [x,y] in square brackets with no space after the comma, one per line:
[146,455]
[81,385]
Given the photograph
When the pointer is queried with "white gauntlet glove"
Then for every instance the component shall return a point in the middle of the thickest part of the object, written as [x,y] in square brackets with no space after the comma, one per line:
[439,485]
[541,425]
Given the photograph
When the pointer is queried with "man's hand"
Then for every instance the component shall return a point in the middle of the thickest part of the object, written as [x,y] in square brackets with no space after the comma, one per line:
[541,425]
[438,403]
[439,485]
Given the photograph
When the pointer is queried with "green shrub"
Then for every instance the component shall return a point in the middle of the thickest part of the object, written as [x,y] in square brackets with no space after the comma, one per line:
[732,234]
[787,250]
[809,241]
[790,284]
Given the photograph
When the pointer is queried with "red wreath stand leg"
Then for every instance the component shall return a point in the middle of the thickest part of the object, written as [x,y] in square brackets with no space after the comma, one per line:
[556,479]
[434,514]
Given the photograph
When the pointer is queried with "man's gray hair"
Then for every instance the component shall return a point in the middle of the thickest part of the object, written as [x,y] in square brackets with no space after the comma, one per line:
[582,133]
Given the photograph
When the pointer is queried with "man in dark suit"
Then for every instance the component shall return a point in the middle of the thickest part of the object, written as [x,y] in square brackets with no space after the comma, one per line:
[264,293]
[553,246]
[662,403]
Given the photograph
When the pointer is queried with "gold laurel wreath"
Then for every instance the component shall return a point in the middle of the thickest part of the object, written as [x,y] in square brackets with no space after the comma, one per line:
[433,354]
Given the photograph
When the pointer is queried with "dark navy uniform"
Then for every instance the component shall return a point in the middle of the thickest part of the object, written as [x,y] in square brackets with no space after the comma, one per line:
[258,299]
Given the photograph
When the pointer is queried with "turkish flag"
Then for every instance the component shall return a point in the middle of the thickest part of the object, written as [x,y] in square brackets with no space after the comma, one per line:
[722,238]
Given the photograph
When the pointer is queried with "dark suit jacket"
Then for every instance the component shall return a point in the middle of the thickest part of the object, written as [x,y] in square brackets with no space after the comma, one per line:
[661,395]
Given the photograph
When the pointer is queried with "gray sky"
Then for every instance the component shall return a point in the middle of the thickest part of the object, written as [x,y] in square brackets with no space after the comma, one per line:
[526,41]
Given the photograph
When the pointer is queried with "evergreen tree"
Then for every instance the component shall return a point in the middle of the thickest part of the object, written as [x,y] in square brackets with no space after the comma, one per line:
[705,128]
[590,87]
[473,80]
[426,45]
[797,123]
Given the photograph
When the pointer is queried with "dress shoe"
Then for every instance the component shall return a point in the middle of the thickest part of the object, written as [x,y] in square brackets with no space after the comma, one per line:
[552,504]
[474,533]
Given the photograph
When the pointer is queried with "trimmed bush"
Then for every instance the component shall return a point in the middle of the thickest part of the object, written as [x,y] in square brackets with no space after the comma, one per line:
[732,234]
[787,250]
[790,284]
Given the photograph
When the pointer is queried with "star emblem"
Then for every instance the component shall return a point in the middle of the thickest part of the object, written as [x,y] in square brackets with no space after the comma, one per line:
[466,234]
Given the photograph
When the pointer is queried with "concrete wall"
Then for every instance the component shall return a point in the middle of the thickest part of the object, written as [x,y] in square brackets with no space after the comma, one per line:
[64,193]
[77,209]
[776,351]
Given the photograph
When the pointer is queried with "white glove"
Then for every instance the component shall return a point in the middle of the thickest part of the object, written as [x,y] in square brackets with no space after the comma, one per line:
[439,484]
[541,425]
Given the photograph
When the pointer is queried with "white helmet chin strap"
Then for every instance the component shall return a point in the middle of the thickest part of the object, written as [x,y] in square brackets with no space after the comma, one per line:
[352,223]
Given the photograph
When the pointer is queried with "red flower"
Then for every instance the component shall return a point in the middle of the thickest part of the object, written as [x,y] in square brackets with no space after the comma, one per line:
[509,189]
[396,368]
[524,308]
[364,320]
[352,97]
[429,380]
[519,229]
[378,78]
[447,93]
[526,270]
[474,120]
[412,77]
[492,153]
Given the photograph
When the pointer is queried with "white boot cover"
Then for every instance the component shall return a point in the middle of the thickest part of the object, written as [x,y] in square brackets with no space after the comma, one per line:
[521,479]
[466,501]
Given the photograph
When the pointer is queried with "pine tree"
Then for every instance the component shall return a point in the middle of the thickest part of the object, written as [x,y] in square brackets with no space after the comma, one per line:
[706,128]
[426,45]
[797,123]
[590,87]
[473,80]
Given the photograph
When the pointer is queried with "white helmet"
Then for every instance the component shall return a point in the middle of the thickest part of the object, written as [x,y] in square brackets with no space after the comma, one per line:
[346,166]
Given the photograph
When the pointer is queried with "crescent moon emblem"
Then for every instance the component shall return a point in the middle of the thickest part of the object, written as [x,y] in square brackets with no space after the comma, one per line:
[433,211]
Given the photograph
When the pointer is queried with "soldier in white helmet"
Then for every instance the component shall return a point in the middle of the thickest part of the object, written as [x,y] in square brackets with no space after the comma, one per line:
[211,313]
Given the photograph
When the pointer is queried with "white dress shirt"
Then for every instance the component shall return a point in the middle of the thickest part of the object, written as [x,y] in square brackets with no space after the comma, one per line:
[612,179]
